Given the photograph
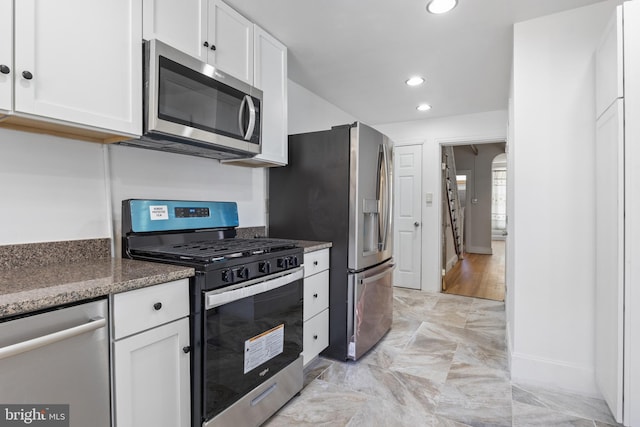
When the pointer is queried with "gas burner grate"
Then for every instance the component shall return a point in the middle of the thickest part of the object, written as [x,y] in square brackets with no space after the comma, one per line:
[217,250]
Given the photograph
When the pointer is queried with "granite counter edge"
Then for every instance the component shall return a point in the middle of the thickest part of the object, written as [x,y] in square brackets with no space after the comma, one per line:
[37,299]
[312,246]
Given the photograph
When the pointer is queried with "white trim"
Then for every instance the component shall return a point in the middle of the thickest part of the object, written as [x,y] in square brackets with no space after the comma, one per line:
[451,262]
[538,371]
[409,142]
[109,199]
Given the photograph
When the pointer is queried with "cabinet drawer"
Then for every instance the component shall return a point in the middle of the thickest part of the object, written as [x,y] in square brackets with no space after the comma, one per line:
[316,294]
[138,310]
[315,262]
[316,336]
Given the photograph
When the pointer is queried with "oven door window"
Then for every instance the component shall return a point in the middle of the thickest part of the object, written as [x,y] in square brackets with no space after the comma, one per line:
[195,100]
[249,341]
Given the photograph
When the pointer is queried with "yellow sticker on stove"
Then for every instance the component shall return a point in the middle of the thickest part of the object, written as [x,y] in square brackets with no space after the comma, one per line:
[263,347]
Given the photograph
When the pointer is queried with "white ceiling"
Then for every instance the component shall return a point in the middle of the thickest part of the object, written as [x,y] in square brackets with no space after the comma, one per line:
[357,54]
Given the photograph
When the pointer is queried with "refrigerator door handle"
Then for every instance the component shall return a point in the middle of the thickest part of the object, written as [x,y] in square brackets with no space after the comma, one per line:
[389,200]
[377,276]
[384,195]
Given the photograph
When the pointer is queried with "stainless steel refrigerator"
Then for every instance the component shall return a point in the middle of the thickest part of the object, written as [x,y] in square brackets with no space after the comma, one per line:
[337,187]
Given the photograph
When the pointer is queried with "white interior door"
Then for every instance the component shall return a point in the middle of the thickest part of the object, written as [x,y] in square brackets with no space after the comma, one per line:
[610,256]
[408,216]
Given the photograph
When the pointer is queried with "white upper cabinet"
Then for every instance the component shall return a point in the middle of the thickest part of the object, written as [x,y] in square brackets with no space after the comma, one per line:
[181,24]
[230,39]
[270,76]
[209,30]
[609,65]
[6,46]
[79,62]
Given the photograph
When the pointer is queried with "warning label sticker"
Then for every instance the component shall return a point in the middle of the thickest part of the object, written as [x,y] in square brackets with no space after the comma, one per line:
[263,347]
[158,212]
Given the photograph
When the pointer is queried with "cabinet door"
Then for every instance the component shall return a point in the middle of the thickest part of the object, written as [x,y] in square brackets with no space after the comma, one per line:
[151,375]
[316,294]
[609,67]
[270,75]
[80,61]
[231,36]
[181,24]
[632,212]
[610,256]
[315,336]
[6,46]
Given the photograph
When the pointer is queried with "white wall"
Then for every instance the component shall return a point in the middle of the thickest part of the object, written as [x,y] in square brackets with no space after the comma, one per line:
[465,129]
[146,174]
[309,113]
[60,189]
[51,189]
[552,335]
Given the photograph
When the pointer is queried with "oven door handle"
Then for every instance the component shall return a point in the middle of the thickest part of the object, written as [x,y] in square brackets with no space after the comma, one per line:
[253,287]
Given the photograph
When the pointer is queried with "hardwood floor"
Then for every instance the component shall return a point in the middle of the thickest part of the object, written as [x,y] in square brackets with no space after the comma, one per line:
[480,276]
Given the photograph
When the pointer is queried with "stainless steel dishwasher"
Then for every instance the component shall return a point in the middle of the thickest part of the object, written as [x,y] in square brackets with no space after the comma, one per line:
[58,357]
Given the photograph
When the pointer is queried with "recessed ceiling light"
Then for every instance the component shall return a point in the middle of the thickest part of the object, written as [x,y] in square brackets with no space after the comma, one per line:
[415,81]
[423,107]
[441,6]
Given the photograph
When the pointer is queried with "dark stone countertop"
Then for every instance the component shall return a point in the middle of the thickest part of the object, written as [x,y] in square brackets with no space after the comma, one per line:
[28,289]
[43,275]
[311,246]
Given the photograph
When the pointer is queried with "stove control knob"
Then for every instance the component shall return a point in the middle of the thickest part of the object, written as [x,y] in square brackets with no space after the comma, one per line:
[264,267]
[227,276]
[242,273]
[294,261]
[283,262]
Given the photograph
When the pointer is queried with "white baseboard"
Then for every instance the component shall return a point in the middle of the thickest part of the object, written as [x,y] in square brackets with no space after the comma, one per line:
[479,250]
[536,371]
[451,262]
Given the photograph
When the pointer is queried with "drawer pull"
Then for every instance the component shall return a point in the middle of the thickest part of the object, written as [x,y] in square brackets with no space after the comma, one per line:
[315,337]
[186,349]
[315,262]
[315,295]
[157,306]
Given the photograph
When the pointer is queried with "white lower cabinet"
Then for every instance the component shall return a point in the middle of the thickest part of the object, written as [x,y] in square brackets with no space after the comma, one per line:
[151,373]
[316,336]
[316,304]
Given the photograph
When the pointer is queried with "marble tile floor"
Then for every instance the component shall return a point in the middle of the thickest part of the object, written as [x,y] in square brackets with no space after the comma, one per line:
[444,363]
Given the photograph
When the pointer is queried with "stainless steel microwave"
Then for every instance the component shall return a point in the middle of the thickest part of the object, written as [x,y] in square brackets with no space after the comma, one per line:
[191,107]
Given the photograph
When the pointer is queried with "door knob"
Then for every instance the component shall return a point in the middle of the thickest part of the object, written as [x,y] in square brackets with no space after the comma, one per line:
[416,224]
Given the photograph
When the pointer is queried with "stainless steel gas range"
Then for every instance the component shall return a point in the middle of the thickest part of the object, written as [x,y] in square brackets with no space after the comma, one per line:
[246,306]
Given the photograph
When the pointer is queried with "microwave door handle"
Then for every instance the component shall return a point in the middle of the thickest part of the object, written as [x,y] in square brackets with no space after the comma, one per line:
[241,115]
[252,117]
[247,102]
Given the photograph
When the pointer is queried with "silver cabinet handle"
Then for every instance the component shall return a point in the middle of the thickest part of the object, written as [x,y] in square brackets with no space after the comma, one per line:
[32,344]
